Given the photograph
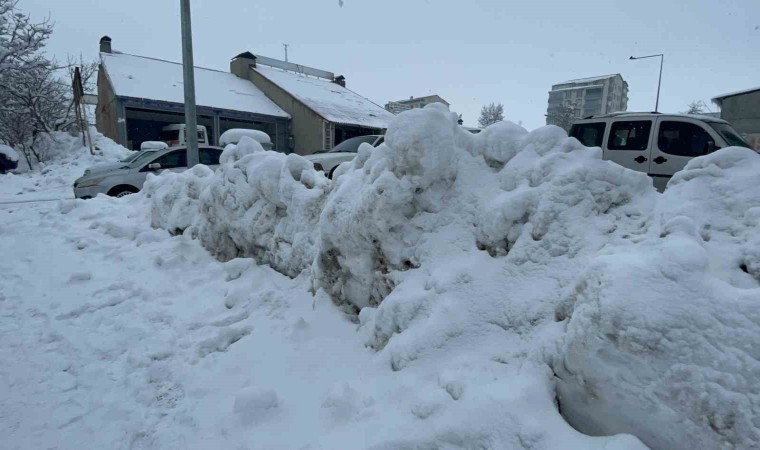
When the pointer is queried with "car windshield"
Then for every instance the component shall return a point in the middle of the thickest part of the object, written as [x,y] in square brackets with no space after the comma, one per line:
[350,145]
[730,135]
[142,158]
[131,157]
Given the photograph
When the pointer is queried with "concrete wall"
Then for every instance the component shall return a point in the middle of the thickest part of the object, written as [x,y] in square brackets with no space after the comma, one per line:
[107,109]
[306,125]
[743,111]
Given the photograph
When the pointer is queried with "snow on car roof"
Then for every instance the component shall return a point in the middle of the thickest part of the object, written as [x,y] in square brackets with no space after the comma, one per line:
[330,100]
[156,79]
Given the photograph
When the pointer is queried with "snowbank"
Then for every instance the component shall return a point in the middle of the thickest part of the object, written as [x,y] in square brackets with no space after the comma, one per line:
[505,255]
[259,204]
[663,338]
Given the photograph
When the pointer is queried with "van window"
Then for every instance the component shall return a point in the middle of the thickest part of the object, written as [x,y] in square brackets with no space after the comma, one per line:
[169,136]
[589,134]
[629,135]
[729,134]
[684,139]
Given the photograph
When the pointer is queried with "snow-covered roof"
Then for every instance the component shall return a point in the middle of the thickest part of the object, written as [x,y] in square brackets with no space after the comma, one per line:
[330,100]
[576,88]
[156,79]
[719,98]
[590,79]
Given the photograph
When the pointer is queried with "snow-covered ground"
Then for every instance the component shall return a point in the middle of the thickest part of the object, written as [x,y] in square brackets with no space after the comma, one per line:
[54,179]
[445,291]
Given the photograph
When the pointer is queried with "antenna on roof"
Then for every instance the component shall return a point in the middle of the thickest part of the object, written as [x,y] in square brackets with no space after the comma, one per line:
[286,52]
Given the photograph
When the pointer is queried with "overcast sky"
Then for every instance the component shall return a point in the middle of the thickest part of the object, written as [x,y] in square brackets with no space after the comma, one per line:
[469,52]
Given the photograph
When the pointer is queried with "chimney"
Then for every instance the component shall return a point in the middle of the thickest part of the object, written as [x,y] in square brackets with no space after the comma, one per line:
[105,44]
[340,80]
[241,63]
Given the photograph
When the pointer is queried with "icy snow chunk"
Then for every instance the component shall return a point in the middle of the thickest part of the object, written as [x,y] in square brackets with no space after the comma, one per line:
[153,145]
[175,197]
[234,135]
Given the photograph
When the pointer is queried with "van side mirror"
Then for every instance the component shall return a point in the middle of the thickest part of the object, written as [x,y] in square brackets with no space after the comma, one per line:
[154,166]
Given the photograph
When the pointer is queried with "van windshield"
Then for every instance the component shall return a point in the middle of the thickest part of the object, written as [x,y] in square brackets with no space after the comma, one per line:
[730,135]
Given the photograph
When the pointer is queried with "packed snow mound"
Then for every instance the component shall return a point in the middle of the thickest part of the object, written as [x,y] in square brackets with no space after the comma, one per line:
[153,145]
[175,197]
[234,135]
[67,161]
[663,338]
[9,153]
[433,190]
[259,204]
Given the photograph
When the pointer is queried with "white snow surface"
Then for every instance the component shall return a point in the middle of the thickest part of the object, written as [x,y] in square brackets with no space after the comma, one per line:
[68,159]
[331,101]
[445,291]
[233,136]
[155,79]
[153,145]
[8,152]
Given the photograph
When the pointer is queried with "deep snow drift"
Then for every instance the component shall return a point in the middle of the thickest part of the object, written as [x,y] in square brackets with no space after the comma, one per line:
[510,248]
[67,161]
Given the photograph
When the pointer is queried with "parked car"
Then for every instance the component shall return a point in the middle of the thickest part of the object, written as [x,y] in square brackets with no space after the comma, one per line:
[233,136]
[148,146]
[328,161]
[658,144]
[8,159]
[129,178]
[175,134]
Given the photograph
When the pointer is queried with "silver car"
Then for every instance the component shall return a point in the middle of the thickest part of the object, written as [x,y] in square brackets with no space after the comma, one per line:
[129,177]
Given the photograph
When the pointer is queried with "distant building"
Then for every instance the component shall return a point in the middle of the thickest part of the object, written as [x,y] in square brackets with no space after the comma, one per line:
[588,96]
[742,110]
[419,102]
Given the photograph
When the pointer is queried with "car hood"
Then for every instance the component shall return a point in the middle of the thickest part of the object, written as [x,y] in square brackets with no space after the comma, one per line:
[105,167]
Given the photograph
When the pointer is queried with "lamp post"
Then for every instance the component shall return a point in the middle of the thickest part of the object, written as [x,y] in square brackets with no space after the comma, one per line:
[191,121]
[662,59]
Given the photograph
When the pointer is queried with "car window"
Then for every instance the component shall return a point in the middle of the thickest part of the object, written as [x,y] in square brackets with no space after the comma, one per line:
[209,156]
[380,141]
[629,135]
[143,157]
[173,160]
[589,134]
[684,139]
[729,134]
[352,145]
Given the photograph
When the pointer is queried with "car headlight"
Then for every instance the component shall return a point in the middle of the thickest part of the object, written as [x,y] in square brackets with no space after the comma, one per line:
[91,182]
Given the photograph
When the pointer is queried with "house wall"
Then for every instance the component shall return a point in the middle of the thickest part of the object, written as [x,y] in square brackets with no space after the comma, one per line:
[306,125]
[743,111]
[107,109]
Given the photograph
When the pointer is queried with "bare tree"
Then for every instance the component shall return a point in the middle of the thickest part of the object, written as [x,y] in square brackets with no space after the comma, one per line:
[20,38]
[562,116]
[696,107]
[491,114]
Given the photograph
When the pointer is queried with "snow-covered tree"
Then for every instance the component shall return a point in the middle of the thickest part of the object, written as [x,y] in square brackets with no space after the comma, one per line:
[696,107]
[491,114]
[562,116]
[20,38]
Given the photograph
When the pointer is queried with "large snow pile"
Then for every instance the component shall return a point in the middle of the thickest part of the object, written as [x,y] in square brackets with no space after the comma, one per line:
[507,255]
[66,160]
[259,204]
[664,337]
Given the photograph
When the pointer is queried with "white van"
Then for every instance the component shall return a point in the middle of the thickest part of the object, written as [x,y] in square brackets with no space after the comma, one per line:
[658,144]
[175,134]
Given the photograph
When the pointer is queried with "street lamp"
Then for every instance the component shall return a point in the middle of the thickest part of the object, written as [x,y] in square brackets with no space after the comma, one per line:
[191,121]
[662,58]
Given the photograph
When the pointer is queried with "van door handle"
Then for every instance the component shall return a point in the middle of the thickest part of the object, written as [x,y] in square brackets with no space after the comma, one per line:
[640,159]
[659,160]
